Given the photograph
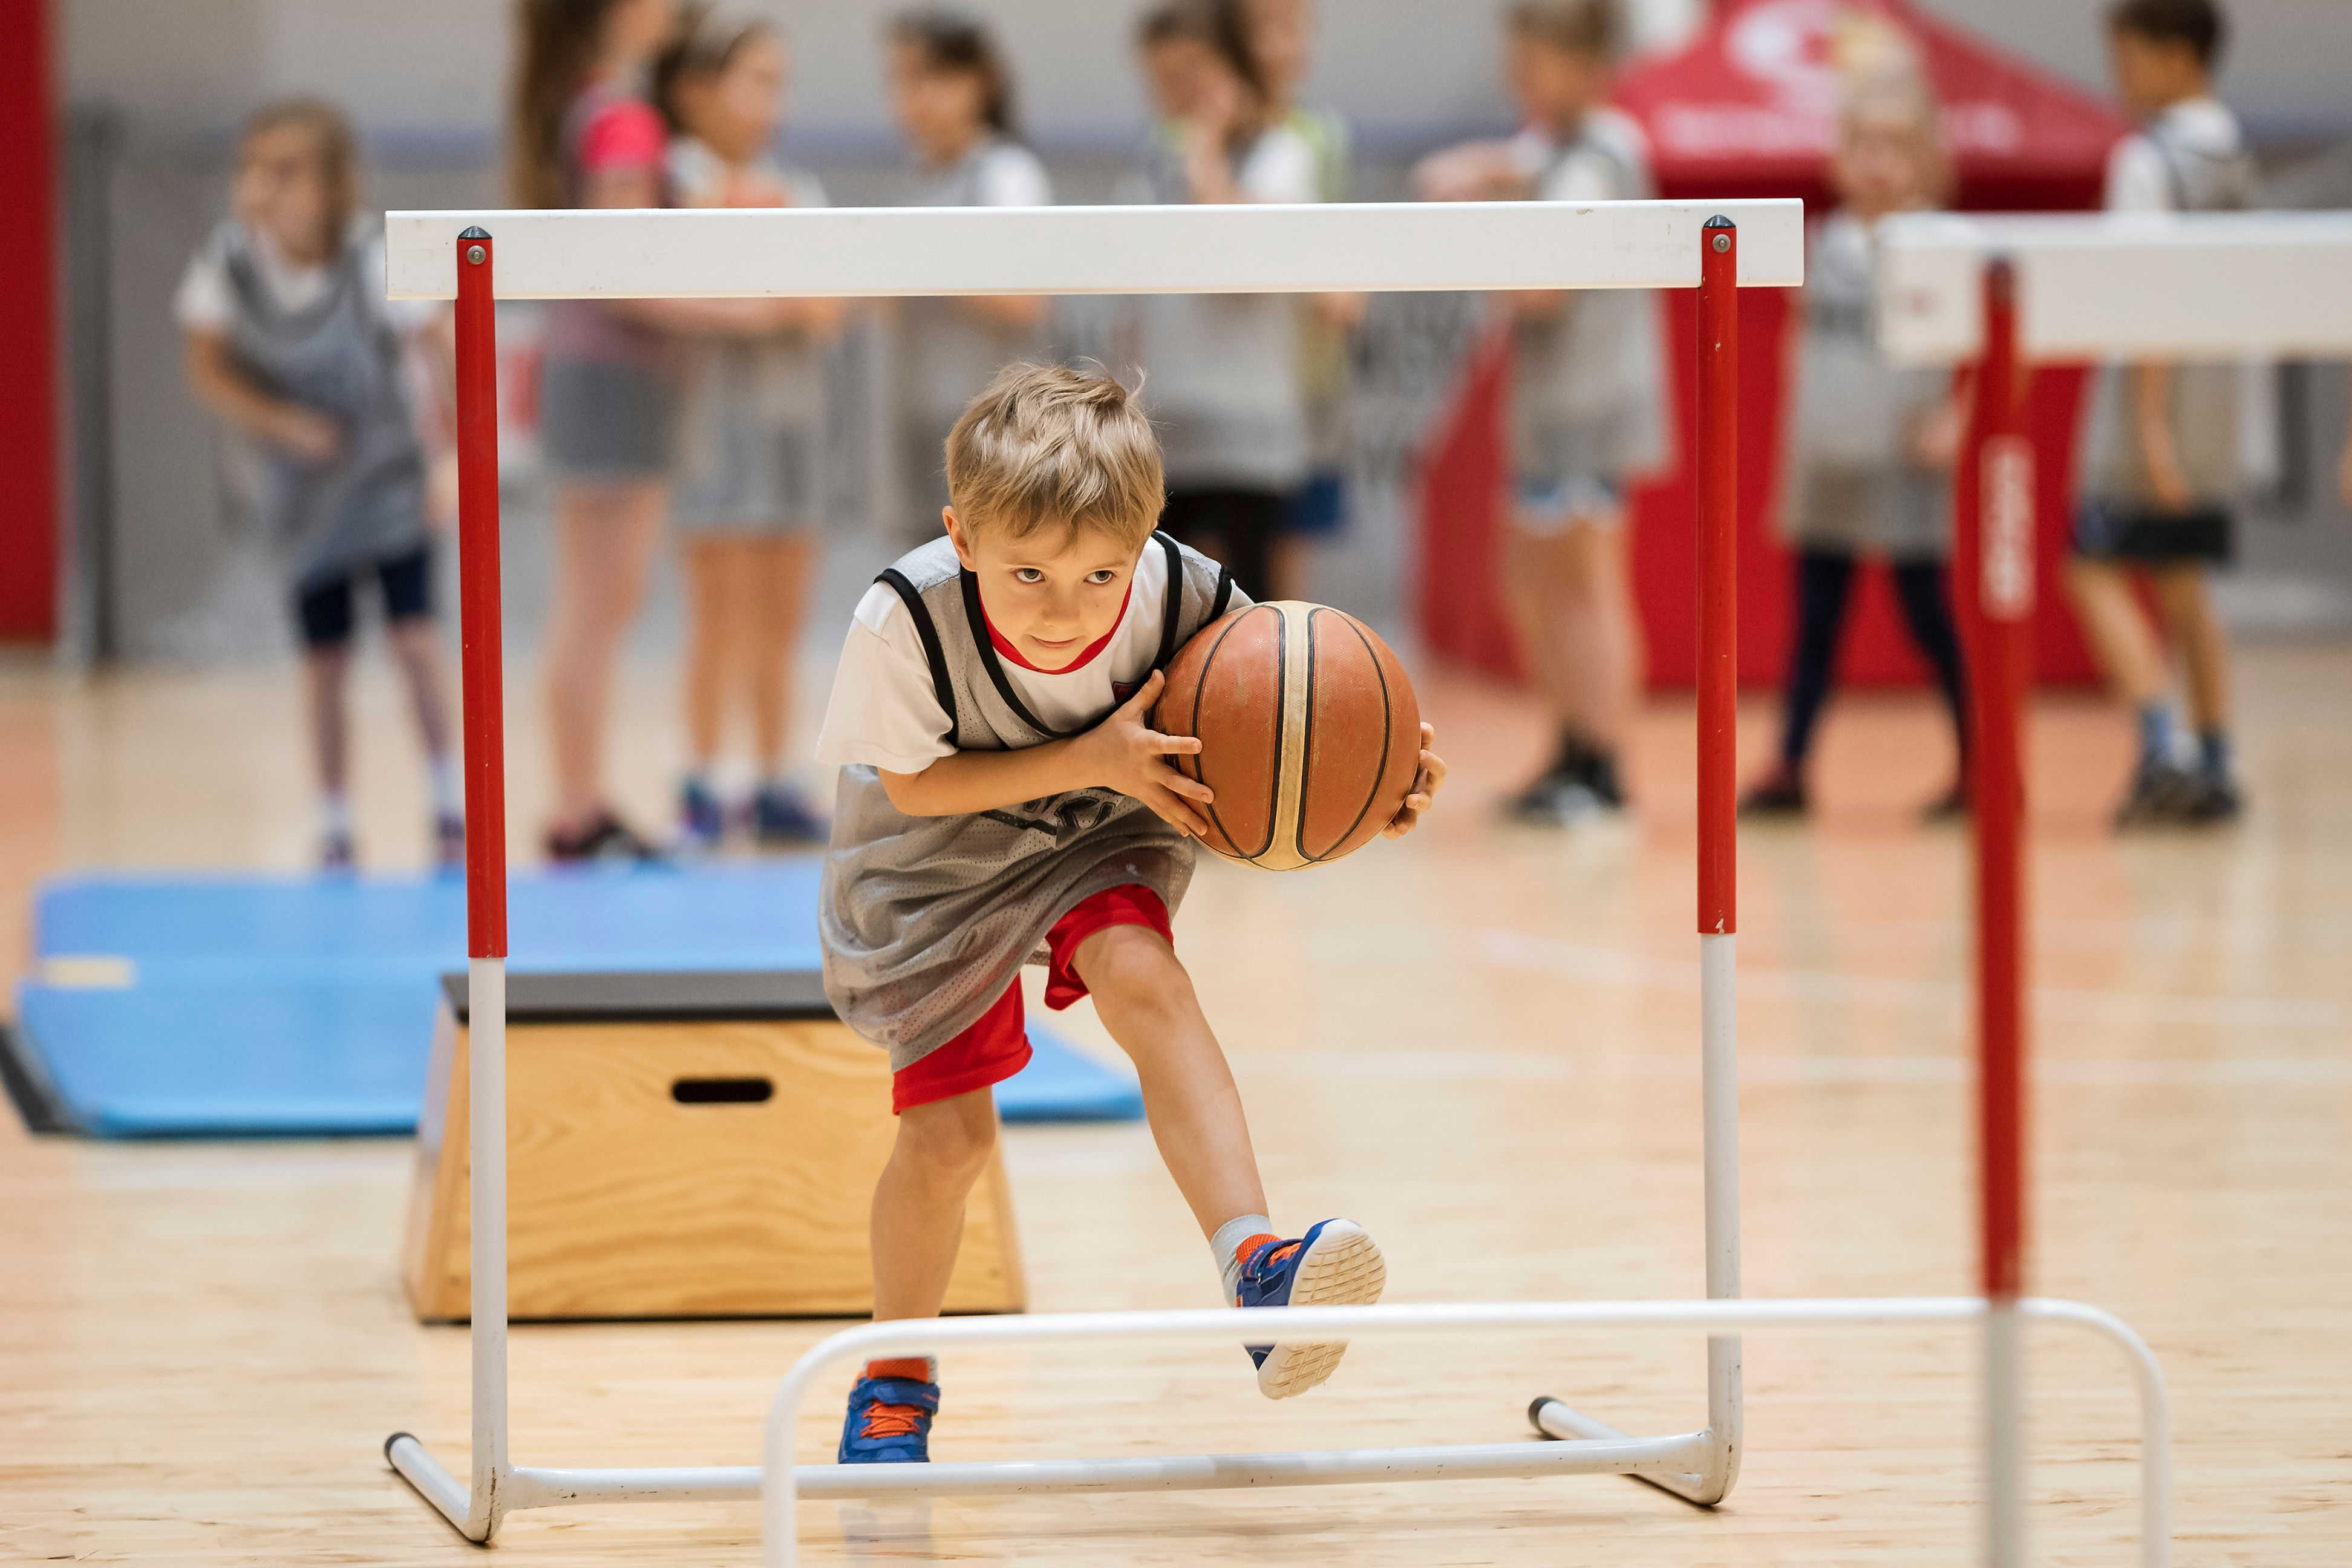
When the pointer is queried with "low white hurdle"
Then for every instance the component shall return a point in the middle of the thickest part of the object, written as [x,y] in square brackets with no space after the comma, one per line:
[1717,246]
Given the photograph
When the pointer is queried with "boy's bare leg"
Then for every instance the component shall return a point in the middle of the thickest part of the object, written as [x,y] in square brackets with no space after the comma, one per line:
[2121,642]
[708,639]
[780,581]
[1605,649]
[1536,588]
[417,649]
[1146,1000]
[2197,632]
[605,542]
[324,670]
[919,1203]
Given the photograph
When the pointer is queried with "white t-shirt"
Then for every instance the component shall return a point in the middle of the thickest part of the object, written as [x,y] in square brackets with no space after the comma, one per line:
[2138,178]
[886,712]
[1608,143]
[207,301]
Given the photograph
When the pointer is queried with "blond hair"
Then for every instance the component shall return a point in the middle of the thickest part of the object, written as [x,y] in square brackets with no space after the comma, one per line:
[331,143]
[1579,26]
[1046,446]
[1899,93]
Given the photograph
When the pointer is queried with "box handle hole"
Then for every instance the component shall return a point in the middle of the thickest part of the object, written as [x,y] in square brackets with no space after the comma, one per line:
[723,1090]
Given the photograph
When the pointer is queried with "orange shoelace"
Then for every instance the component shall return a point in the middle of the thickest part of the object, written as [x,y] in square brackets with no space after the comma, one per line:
[893,1421]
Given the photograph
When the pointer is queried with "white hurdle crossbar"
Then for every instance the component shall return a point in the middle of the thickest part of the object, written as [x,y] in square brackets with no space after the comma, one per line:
[1718,247]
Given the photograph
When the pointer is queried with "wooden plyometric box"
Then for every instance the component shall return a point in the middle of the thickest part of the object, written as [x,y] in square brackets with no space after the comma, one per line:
[679,1145]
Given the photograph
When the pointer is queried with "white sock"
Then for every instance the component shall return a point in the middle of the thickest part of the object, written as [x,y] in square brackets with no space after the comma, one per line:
[448,786]
[335,815]
[1231,1235]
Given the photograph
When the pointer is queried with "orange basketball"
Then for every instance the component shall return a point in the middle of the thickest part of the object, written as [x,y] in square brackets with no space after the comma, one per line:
[1310,733]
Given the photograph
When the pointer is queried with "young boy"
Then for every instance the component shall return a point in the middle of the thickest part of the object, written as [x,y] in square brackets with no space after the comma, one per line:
[1586,403]
[1003,798]
[289,339]
[2160,462]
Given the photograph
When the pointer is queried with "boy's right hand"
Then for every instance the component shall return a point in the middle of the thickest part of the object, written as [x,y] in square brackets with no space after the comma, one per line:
[307,433]
[1126,753]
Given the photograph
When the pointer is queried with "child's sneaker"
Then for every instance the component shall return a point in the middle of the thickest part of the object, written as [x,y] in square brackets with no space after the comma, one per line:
[702,820]
[1336,1263]
[890,1421]
[449,843]
[780,817]
[337,854]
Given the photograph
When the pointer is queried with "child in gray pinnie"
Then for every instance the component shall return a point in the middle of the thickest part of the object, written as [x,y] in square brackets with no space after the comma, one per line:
[290,339]
[1004,801]
[1870,464]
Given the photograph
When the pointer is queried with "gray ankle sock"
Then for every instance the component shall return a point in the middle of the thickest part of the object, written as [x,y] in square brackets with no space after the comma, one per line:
[1231,1235]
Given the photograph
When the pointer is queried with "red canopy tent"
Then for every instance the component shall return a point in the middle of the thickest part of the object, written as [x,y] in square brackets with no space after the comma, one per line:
[1746,110]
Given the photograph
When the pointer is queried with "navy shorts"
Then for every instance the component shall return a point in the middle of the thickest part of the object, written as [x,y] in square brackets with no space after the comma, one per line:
[2107,533]
[324,609]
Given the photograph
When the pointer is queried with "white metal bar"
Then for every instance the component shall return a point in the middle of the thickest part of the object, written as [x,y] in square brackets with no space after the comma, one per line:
[2189,286]
[1554,1419]
[781,1486]
[1718,958]
[2004,1416]
[865,252]
[486,1112]
[1622,1455]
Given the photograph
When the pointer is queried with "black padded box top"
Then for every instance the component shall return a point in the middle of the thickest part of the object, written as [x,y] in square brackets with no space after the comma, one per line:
[658,996]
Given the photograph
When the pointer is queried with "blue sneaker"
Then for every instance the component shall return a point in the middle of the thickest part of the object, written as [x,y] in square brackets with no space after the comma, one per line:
[1334,1264]
[890,1421]
[780,817]
[702,820]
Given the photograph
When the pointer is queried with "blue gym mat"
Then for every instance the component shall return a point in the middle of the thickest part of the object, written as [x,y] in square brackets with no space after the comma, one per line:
[286,1006]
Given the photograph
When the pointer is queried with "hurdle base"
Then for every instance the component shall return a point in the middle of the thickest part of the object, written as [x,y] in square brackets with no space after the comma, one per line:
[1665,1460]
[1566,1425]
[434,1483]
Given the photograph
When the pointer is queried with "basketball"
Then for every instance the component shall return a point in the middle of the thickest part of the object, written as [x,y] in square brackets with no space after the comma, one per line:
[1310,733]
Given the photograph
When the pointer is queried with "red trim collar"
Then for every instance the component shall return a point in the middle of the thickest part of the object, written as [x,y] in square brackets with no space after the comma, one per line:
[1004,648]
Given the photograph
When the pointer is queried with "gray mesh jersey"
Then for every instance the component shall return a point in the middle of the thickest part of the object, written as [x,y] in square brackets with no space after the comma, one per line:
[2204,398]
[1587,384]
[926,920]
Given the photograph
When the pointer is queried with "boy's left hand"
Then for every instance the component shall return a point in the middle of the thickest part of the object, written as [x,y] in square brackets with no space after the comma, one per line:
[1425,786]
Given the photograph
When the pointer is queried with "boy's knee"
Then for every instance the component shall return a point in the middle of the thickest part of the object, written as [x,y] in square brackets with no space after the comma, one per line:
[1133,966]
[950,1139]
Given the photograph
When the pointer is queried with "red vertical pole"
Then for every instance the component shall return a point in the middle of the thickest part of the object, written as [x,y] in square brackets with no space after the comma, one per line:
[29,391]
[478,572]
[1718,568]
[2000,606]
[2002,603]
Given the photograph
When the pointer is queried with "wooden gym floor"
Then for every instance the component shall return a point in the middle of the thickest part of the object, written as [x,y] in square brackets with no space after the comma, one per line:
[1480,1043]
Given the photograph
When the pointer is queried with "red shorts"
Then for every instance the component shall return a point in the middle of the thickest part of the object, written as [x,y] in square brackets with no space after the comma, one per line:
[997,1045]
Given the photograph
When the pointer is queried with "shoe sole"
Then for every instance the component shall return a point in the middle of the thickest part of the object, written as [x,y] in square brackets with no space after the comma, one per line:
[1344,1269]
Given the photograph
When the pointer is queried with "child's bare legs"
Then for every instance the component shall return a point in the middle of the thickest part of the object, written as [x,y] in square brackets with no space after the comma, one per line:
[716,636]
[1146,1000]
[919,1204]
[604,539]
[326,670]
[2188,606]
[1571,602]
[415,645]
[2121,641]
[781,569]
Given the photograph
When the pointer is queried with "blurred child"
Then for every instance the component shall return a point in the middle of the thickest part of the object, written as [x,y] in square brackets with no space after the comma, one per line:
[952,94]
[1282,38]
[2161,466]
[290,339]
[745,498]
[1586,409]
[1223,372]
[1003,795]
[1872,445]
[583,138]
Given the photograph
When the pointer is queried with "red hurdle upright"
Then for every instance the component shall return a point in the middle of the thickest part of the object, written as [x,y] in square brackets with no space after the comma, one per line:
[2001,609]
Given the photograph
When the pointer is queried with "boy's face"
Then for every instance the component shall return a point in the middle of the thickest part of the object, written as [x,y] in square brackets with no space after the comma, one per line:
[281,190]
[2153,74]
[1555,85]
[1175,71]
[1877,168]
[939,111]
[1052,594]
